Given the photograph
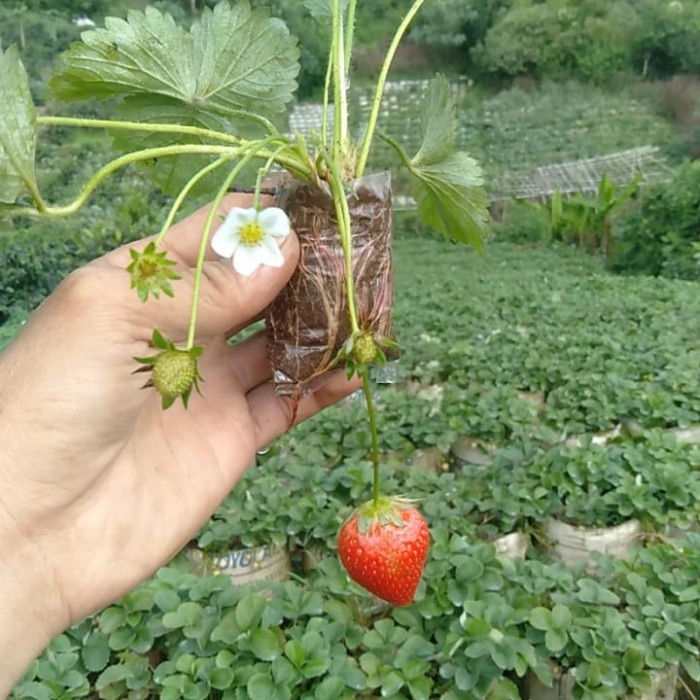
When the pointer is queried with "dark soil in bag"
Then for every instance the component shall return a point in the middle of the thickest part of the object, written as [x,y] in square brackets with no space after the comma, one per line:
[308,322]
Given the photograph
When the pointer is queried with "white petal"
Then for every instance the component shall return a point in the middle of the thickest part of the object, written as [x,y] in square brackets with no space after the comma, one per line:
[246,260]
[242,216]
[274,222]
[269,252]
[226,239]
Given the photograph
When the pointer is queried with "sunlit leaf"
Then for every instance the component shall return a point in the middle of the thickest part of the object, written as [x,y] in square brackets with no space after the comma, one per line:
[438,123]
[233,58]
[451,199]
[17,129]
[447,185]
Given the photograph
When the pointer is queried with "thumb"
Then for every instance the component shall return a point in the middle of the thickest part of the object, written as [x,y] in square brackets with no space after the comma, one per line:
[227,300]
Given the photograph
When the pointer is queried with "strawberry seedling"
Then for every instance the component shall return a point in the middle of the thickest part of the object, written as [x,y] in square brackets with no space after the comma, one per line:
[196,108]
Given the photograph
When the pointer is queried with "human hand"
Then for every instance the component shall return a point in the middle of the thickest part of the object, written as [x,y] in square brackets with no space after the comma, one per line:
[98,485]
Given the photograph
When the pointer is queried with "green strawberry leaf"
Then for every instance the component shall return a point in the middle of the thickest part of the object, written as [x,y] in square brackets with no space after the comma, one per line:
[232,59]
[447,184]
[17,129]
[438,123]
[174,172]
[451,199]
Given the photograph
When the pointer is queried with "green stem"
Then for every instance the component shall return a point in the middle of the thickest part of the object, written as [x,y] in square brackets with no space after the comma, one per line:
[121,162]
[374,432]
[184,192]
[340,106]
[326,95]
[156,126]
[295,165]
[252,153]
[262,172]
[349,34]
[342,214]
[381,81]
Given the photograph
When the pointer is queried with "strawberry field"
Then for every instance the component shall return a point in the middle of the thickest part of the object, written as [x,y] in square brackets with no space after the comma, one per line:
[576,392]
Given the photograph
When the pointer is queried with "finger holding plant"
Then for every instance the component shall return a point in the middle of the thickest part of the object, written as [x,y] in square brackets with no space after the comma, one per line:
[195,109]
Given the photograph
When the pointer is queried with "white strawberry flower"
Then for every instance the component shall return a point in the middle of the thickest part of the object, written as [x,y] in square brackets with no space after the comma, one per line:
[250,238]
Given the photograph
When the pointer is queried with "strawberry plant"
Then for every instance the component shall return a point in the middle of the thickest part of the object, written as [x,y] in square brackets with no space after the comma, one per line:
[196,109]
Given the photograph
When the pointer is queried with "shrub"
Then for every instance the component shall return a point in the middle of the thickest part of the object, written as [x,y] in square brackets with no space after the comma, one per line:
[657,238]
[34,258]
[521,223]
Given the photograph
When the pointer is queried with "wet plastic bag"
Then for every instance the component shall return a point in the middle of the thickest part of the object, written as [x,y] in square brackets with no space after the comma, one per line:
[308,322]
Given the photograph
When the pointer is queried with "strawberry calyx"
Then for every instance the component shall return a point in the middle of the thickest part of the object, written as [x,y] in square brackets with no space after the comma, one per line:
[382,511]
[364,349]
[151,272]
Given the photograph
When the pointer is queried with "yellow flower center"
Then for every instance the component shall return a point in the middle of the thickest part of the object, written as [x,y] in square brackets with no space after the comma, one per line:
[251,234]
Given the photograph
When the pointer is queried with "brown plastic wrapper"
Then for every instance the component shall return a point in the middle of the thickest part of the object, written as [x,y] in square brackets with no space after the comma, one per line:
[308,322]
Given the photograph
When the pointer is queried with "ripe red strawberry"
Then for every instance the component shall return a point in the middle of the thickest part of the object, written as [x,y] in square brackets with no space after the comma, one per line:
[384,547]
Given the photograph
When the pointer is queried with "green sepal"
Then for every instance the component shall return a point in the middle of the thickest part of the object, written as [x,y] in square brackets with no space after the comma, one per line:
[159,341]
[150,272]
[385,511]
[165,346]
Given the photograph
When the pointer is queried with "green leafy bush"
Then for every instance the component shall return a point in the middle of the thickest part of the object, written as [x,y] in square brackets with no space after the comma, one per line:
[522,222]
[35,257]
[657,238]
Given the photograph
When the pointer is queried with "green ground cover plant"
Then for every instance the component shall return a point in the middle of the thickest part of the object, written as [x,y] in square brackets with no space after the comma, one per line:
[518,129]
[525,320]
[602,348]
[660,235]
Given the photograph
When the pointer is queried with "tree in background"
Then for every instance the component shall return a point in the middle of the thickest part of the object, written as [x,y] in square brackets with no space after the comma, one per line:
[592,39]
[668,38]
[453,27]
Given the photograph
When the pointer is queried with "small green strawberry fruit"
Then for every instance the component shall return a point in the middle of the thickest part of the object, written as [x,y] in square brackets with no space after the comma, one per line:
[174,372]
[383,546]
[364,350]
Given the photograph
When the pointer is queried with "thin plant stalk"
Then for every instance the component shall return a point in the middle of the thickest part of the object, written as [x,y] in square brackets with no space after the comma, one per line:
[349,34]
[374,433]
[342,213]
[183,194]
[327,95]
[108,124]
[262,172]
[94,182]
[205,236]
[340,101]
[381,81]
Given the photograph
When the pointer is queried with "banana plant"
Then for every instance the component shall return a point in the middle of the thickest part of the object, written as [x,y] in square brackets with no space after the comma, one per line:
[587,221]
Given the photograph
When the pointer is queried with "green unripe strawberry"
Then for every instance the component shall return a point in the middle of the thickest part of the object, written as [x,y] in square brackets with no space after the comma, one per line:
[365,349]
[174,373]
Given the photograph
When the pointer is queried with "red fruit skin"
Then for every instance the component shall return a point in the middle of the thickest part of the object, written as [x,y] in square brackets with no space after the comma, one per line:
[387,560]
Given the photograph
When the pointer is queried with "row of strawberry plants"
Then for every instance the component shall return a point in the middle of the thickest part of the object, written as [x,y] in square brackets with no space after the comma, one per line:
[480,623]
[479,626]
[600,348]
